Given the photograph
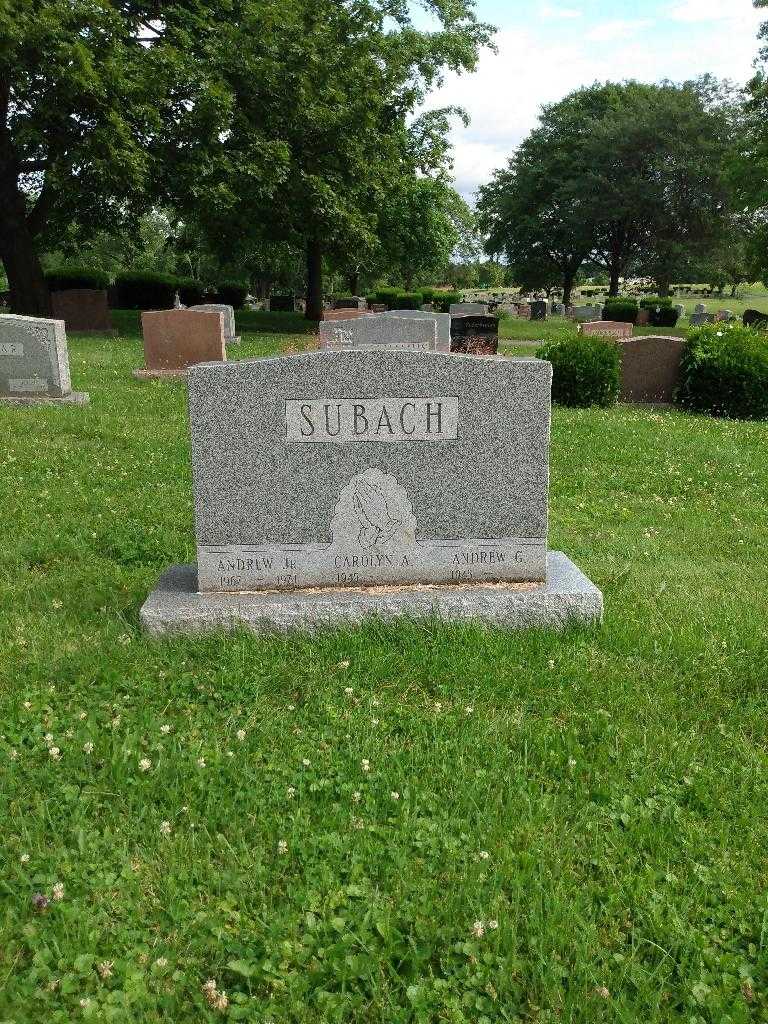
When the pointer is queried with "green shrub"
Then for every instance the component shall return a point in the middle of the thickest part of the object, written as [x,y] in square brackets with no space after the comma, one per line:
[231,293]
[428,293]
[371,299]
[663,316]
[387,297]
[652,301]
[410,300]
[145,289]
[586,370]
[724,371]
[191,292]
[444,300]
[621,310]
[71,276]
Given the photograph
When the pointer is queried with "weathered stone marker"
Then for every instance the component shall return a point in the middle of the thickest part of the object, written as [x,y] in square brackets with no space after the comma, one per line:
[442,320]
[175,339]
[230,330]
[333,485]
[612,328]
[34,362]
[468,309]
[83,310]
[379,332]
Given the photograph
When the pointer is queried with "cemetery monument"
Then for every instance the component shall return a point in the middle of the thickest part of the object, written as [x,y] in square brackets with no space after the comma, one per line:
[34,362]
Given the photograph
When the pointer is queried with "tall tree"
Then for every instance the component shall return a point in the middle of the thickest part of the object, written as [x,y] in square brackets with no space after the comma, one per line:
[337,84]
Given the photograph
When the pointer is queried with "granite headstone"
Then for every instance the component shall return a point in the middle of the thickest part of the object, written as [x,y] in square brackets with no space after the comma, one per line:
[83,310]
[475,335]
[442,320]
[175,339]
[468,309]
[34,361]
[230,331]
[333,485]
[376,332]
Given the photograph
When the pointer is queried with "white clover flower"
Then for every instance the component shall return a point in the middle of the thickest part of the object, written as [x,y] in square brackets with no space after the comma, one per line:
[374,721]
[201,762]
[282,846]
[57,892]
[161,962]
[469,710]
[291,792]
[165,828]
[357,796]
[83,715]
[349,690]
[478,929]
[14,755]
[165,729]
[394,795]
[48,738]
[493,925]
[27,705]
[343,664]
[306,762]
[145,764]
[88,748]
[291,707]
[484,855]
[241,734]
[55,753]
[105,969]
[24,858]
[365,764]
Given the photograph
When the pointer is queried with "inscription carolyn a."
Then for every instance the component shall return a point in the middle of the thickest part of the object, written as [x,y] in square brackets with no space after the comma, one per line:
[382,419]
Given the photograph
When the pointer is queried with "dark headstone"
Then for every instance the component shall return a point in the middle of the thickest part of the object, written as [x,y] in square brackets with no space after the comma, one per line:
[353,303]
[282,304]
[754,318]
[475,335]
[538,311]
[82,310]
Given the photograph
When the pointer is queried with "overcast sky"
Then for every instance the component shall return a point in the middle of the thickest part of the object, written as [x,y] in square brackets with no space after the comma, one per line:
[546,48]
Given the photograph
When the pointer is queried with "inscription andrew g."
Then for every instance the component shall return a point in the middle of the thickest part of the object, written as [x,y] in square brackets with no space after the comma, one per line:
[381,419]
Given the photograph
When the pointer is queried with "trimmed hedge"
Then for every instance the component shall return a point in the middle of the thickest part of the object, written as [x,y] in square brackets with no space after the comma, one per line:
[724,372]
[71,276]
[387,297]
[410,300]
[145,289]
[663,316]
[586,370]
[231,293]
[444,301]
[652,301]
[191,292]
[621,310]
[428,293]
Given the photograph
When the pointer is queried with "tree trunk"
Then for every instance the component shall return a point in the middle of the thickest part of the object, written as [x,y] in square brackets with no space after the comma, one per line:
[613,290]
[663,287]
[314,280]
[568,278]
[29,292]
[354,282]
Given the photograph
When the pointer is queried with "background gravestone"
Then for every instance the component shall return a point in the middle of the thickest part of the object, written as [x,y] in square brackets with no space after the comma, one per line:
[612,328]
[331,486]
[354,302]
[372,332]
[475,335]
[538,310]
[34,361]
[83,310]
[282,303]
[650,369]
[468,309]
[443,321]
[175,339]
[230,330]
[701,318]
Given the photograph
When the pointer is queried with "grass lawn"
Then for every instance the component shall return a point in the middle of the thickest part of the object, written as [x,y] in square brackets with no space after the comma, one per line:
[401,823]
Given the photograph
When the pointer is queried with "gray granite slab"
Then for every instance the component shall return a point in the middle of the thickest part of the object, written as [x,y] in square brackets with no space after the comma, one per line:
[379,331]
[443,321]
[230,331]
[568,598]
[468,309]
[361,468]
[34,362]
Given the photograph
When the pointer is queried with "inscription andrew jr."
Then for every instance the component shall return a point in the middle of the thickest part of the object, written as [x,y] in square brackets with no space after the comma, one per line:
[381,419]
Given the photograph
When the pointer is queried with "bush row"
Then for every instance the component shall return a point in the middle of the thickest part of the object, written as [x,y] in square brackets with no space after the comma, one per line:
[144,289]
[394,298]
[724,372]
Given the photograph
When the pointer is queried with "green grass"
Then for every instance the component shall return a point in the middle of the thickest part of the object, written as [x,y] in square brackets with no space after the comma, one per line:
[616,779]
[512,329]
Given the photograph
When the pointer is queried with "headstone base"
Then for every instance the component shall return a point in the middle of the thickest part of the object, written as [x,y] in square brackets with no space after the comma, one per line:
[73,398]
[567,598]
[145,374]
